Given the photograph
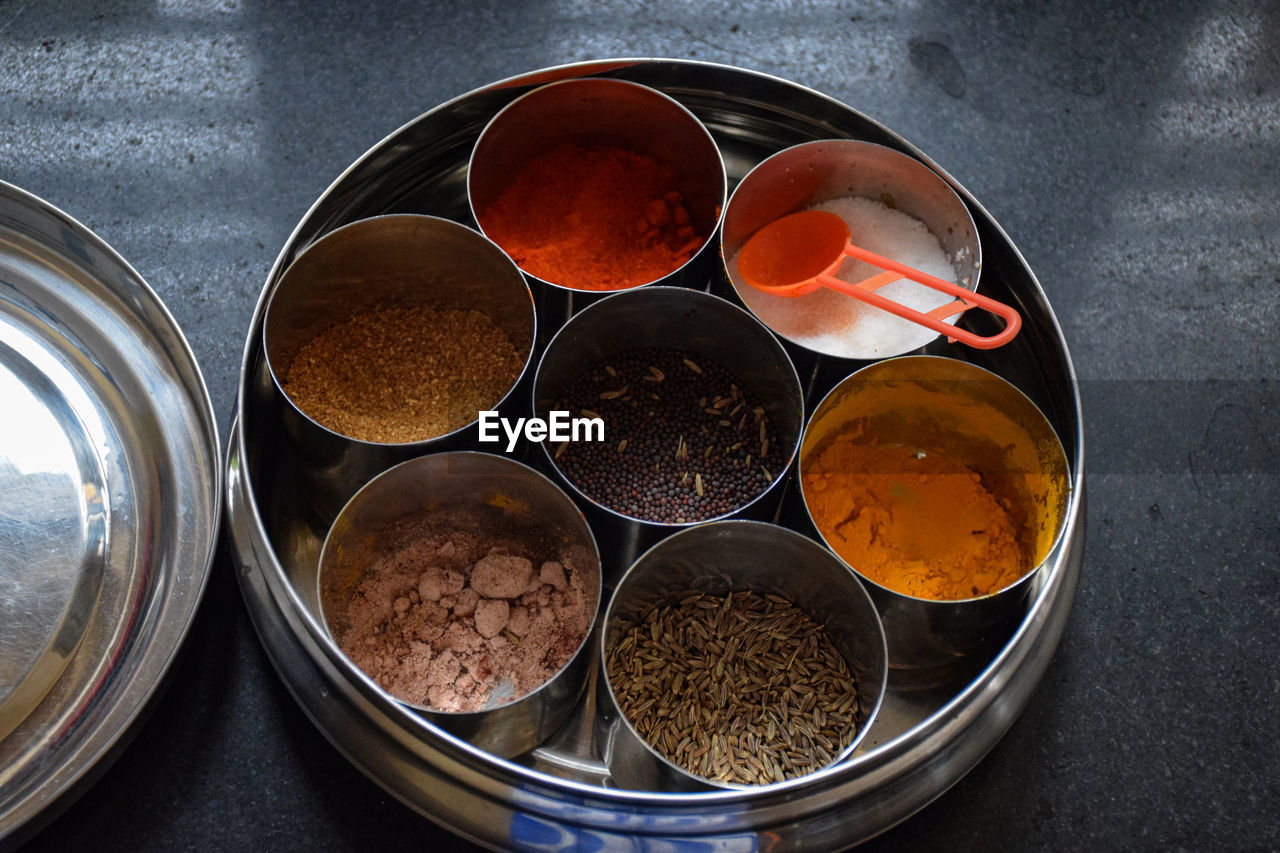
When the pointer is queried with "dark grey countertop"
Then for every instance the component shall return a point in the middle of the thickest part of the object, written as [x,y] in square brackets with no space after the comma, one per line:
[1130,151]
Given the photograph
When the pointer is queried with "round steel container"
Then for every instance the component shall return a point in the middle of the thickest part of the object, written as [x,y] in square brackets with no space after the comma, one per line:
[559,795]
[404,261]
[705,325]
[110,500]
[503,498]
[733,556]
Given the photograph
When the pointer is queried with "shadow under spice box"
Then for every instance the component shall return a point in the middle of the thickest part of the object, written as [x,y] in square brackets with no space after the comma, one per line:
[920,742]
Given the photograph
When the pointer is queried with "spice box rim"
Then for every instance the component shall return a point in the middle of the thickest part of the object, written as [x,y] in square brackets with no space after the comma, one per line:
[977,719]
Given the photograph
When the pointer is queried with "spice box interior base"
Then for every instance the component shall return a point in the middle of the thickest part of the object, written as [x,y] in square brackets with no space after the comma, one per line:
[931,727]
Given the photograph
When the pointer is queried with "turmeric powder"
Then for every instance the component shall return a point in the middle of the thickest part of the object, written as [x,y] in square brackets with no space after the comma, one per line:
[934,478]
[930,529]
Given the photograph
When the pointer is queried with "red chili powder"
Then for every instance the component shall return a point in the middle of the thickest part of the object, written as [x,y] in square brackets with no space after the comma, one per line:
[593,218]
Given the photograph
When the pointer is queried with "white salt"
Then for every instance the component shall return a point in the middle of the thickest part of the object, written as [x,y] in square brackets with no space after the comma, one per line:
[833,323]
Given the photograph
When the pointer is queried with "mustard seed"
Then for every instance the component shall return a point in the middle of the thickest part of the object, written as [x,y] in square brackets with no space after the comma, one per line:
[670,455]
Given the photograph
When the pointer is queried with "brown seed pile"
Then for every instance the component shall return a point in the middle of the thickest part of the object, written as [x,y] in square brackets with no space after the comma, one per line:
[743,688]
[403,374]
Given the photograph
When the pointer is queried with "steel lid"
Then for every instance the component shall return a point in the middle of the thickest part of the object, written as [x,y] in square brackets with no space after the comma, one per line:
[110,496]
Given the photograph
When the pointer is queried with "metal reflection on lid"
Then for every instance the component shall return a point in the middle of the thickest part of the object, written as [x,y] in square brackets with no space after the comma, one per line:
[52,526]
[109,501]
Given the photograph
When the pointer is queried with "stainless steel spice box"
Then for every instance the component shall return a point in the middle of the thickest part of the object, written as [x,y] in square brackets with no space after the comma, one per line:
[924,739]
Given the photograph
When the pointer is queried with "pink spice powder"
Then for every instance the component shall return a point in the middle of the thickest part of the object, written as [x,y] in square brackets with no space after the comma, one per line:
[451,616]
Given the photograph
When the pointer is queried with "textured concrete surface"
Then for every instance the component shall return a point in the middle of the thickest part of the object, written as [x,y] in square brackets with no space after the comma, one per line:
[1130,151]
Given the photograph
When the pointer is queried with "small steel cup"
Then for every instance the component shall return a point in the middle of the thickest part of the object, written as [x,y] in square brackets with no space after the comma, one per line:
[933,642]
[738,556]
[511,500]
[598,111]
[693,321]
[813,172]
[396,261]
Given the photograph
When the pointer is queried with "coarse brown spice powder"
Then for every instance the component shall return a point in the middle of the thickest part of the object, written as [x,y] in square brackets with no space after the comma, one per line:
[742,688]
[449,619]
[403,374]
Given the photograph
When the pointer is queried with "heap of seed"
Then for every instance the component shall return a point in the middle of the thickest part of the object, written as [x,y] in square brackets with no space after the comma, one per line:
[403,374]
[742,689]
[684,441]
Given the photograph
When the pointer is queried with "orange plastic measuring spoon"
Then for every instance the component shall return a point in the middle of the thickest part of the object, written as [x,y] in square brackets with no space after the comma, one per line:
[798,253]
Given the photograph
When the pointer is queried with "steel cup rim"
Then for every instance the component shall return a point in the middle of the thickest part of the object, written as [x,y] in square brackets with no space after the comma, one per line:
[712,299]
[802,541]
[424,443]
[852,144]
[428,711]
[1029,573]
[713,235]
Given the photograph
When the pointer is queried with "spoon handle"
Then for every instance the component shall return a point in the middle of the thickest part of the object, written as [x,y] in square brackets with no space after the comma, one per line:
[965,300]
